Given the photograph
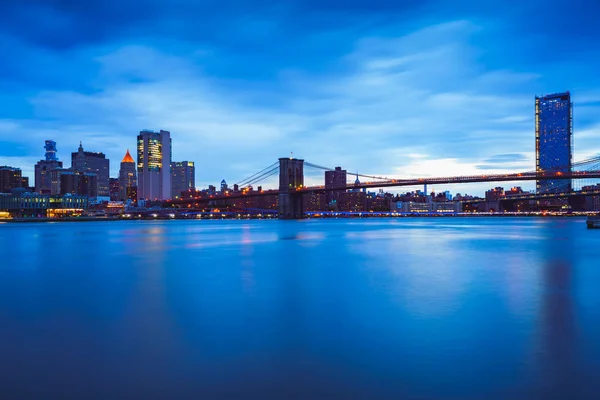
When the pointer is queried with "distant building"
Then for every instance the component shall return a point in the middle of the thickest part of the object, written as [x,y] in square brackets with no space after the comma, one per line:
[78,183]
[43,183]
[335,179]
[127,178]
[494,194]
[154,165]
[10,178]
[223,186]
[426,208]
[182,177]
[97,163]
[553,139]
[114,189]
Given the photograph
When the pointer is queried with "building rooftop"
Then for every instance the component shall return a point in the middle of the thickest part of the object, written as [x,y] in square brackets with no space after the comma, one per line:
[127,158]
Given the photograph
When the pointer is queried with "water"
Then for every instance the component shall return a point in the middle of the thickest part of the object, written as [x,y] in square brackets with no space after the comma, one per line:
[451,308]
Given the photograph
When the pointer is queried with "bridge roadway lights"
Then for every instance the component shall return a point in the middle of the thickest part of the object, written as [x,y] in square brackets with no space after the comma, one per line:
[291,177]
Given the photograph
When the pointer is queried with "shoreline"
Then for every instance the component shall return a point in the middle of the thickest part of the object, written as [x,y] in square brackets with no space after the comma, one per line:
[229,218]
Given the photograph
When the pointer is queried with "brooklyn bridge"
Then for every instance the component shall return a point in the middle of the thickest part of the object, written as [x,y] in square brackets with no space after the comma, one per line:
[292,191]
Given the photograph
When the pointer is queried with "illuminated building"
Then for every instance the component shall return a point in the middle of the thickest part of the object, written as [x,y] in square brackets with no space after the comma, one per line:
[10,178]
[182,177]
[97,163]
[43,182]
[553,139]
[154,165]
[127,177]
[223,186]
[38,205]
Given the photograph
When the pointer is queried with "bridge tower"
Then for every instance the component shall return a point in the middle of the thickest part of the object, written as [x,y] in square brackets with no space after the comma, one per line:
[291,178]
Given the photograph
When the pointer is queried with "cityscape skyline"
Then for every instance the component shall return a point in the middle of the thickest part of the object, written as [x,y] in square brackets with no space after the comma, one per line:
[416,94]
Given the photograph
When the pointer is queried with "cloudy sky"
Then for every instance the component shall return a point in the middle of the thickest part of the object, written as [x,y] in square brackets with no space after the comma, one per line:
[395,88]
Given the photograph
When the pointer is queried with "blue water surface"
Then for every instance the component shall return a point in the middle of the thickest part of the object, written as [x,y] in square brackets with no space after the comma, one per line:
[432,308]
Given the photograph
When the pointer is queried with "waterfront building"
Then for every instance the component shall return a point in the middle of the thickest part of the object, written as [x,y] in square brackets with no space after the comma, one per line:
[43,182]
[29,204]
[154,165]
[11,178]
[182,177]
[91,162]
[553,139]
[127,177]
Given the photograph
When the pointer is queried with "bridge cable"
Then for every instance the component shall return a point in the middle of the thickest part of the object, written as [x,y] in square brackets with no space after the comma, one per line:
[243,182]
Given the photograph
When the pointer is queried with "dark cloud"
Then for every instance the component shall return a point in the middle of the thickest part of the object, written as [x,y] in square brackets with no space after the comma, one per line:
[64,24]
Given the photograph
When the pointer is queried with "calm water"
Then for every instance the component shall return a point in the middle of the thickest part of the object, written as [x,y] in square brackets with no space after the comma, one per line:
[370,309]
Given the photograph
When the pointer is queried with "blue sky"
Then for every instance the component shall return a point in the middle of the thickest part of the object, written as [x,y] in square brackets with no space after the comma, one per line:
[396,88]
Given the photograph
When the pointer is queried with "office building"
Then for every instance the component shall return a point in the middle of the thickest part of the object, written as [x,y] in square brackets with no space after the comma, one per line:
[553,140]
[182,177]
[91,162]
[78,183]
[10,178]
[154,165]
[127,177]
[114,188]
[43,183]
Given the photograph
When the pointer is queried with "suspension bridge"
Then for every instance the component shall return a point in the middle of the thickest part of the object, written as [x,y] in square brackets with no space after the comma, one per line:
[291,189]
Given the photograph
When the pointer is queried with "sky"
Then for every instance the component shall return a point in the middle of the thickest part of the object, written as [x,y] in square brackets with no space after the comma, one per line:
[389,88]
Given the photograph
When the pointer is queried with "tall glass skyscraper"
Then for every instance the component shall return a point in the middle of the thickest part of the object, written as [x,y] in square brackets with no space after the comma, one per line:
[154,165]
[553,139]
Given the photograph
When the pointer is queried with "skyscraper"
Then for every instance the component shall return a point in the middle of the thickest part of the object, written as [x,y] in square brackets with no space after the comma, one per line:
[154,165]
[97,163]
[127,177]
[553,139]
[43,183]
[182,177]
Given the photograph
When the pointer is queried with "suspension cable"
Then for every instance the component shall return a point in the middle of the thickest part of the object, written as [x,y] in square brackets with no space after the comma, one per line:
[243,182]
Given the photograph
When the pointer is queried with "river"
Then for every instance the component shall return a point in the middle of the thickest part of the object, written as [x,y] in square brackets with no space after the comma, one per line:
[431,308]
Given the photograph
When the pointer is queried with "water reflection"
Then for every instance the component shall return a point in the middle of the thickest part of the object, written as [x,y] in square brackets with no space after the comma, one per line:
[558,356]
[461,309]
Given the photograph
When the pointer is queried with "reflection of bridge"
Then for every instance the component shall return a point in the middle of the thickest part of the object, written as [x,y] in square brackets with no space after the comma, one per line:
[292,189]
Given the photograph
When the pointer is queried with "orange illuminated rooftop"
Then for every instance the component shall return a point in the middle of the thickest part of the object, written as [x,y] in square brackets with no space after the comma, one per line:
[127,158]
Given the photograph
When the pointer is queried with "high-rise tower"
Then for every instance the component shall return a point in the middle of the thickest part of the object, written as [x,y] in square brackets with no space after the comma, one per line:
[553,139]
[127,177]
[154,165]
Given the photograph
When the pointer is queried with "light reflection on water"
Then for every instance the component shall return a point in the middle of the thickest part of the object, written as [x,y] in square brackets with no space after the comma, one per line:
[425,308]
